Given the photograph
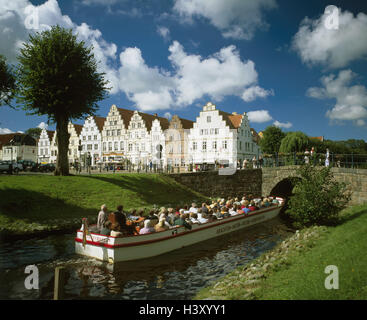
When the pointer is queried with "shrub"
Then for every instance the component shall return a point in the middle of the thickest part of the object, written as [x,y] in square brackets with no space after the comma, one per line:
[317,198]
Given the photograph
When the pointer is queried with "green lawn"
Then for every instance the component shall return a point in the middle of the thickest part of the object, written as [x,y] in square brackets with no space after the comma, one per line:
[300,273]
[344,246]
[28,201]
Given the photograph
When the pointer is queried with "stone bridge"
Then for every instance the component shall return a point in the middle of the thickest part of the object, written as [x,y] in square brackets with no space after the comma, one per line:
[262,182]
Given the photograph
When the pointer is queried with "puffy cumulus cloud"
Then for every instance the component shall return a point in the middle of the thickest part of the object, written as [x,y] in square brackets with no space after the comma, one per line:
[19,18]
[150,88]
[5,131]
[168,115]
[217,76]
[43,125]
[238,19]
[334,48]
[259,116]
[250,94]
[351,100]
[285,125]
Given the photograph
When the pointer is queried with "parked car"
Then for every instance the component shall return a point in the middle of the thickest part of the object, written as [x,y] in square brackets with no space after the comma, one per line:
[28,165]
[46,167]
[10,167]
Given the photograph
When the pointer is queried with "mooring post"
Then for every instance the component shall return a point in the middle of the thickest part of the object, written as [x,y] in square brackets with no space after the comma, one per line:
[59,283]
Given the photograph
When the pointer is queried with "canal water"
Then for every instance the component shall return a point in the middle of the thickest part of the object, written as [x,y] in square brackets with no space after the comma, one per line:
[176,275]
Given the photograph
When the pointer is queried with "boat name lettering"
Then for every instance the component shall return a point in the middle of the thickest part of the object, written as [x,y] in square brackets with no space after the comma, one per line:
[239,224]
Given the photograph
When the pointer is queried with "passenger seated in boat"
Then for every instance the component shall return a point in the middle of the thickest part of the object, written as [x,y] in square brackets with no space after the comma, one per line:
[133,215]
[152,217]
[233,210]
[186,209]
[246,210]
[252,206]
[204,208]
[217,213]
[275,201]
[202,218]
[106,228]
[193,208]
[194,218]
[147,227]
[180,220]
[161,225]
[171,216]
[211,217]
[224,212]
[115,230]
[102,217]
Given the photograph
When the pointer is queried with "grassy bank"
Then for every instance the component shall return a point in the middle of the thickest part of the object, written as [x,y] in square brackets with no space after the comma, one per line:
[37,203]
[295,269]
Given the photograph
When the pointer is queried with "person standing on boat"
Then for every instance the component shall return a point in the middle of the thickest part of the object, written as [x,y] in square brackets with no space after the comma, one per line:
[102,217]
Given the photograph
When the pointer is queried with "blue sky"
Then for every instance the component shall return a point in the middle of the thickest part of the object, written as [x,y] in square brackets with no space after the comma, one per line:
[280,61]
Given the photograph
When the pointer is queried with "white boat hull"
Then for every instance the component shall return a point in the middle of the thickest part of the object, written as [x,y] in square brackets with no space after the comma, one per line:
[115,249]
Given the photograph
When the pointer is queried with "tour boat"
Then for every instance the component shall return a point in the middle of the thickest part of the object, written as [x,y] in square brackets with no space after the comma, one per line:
[117,249]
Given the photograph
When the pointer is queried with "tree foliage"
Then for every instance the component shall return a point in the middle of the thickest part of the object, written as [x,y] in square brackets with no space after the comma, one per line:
[34,132]
[294,142]
[317,198]
[272,137]
[7,83]
[58,77]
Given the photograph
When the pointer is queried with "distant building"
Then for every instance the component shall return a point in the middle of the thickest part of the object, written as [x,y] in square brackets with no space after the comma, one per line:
[73,153]
[91,138]
[177,143]
[220,137]
[18,146]
[44,146]
[321,138]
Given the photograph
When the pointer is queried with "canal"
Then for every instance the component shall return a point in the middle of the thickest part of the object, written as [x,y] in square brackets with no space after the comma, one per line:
[176,275]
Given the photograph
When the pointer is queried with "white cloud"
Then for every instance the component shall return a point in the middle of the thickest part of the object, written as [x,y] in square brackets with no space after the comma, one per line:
[285,125]
[217,76]
[351,100]
[168,115]
[163,32]
[238,19]
[259,116]
[317,44]
[5,131]
[254,92]
[193,77]
[43,125]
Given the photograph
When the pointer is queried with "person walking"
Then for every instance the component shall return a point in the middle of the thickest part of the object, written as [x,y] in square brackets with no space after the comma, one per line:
[254,162]
[327,161]
[307,159]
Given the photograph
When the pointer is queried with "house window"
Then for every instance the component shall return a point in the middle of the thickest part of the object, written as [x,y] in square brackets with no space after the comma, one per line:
[194,145]
[89,137]
[89,147]
[201,132]
[122,145]
[104,146]
[142,147]
[216,130]
[119,132]
[116,145]
[108,132]
[204,145]
[208,119]
[95,137]
[110,146]
[96,146]
[215,145]
[130,147]
[224,144]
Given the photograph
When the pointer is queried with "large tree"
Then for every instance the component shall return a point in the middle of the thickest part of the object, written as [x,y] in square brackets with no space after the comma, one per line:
[58,77]
[272,137]
[295,141]
[7,82]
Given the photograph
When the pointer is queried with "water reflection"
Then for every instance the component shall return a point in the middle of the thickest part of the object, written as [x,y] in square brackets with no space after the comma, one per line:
[175,275]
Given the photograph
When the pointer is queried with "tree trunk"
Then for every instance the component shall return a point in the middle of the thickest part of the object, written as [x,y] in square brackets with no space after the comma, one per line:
[62,138]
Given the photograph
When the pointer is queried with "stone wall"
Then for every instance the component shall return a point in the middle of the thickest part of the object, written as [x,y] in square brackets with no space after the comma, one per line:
[261,181]
[356,178]
[213,185]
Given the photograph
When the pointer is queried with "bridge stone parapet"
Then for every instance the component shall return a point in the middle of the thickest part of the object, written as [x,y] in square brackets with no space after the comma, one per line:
[262,181]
